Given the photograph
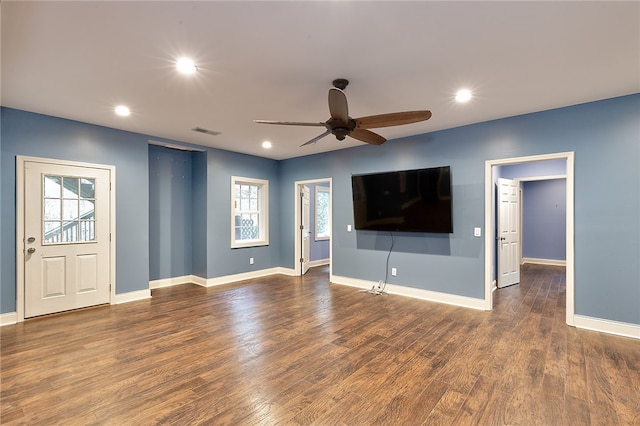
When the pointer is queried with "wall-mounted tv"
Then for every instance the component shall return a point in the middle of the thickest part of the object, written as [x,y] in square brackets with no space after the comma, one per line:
[405,201]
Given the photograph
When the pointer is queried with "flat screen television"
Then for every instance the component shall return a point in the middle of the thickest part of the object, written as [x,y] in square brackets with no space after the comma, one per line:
[405,201]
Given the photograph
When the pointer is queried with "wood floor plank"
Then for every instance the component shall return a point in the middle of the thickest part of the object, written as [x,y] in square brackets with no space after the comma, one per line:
[285,350]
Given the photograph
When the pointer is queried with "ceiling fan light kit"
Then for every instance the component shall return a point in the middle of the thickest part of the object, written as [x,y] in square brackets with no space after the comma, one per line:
[341,125]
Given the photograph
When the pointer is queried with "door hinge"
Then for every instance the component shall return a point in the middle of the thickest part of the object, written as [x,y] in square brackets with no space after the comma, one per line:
[302,260]
[109,236]
[301,227]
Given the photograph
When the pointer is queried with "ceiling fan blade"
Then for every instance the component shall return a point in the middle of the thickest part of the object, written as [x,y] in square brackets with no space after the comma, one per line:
[317,138]
[288,123]
[367,136]
[338,105]
[392,119]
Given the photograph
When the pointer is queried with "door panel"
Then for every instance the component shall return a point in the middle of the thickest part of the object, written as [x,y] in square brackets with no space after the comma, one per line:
[67,241]
[306,227]
[508,232]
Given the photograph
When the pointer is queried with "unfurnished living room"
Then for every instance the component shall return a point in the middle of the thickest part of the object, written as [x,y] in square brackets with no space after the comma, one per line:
[320,213]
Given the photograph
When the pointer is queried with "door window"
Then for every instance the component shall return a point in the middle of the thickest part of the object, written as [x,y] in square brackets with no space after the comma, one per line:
[68,209]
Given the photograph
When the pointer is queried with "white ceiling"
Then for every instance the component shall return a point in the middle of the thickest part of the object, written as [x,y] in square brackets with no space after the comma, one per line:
[276,61]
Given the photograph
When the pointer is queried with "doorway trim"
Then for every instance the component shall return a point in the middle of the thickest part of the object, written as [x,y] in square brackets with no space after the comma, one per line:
[296,222]
[20,236]
[489,226]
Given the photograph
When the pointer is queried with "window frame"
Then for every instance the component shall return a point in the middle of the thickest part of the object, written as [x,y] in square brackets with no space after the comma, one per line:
[318,190]
[263,212]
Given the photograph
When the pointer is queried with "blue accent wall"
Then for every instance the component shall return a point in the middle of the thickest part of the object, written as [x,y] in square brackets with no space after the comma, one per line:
[534,169]
[170,213]
[36,135]
[221,259]
[604,135]
[199,214]
[544,227]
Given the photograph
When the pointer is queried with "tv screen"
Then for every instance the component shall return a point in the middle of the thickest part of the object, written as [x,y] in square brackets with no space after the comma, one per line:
[407,201]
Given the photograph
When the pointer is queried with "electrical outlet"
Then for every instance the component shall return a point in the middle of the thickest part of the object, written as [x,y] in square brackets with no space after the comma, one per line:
[394,272]
[251,261]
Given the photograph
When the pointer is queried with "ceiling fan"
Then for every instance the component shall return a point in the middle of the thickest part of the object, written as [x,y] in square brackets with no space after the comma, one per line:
[342,125]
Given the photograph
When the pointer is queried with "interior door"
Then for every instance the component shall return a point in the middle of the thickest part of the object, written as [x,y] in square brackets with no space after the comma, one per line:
[305,228]
[508,232]
[67,238]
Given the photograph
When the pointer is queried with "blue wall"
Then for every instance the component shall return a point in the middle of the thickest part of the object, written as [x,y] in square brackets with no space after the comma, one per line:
[36,135]
[199,215]
[170,213]
[221,259]
[534,169]
[605,137]
[544,209]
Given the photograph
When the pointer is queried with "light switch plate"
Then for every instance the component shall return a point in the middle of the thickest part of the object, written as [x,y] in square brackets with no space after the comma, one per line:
[477,232]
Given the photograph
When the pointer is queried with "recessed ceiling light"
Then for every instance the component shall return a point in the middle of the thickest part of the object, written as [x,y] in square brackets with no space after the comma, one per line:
[122,111]
[463,95]
[186,66]
[266,144]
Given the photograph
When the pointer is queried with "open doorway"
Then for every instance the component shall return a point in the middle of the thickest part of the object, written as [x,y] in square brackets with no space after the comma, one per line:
[492,239]
[312,224]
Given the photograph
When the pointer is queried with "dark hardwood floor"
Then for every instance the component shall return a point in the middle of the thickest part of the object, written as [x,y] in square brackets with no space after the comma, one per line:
[283,350]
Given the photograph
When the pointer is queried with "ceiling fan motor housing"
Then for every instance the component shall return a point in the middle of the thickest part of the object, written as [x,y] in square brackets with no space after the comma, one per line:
[340,83]
[339,128]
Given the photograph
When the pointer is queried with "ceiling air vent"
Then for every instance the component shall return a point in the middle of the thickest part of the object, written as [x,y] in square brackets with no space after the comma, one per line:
[208,132]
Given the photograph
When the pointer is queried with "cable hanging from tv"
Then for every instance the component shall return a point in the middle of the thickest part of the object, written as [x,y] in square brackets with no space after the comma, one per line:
[382,285]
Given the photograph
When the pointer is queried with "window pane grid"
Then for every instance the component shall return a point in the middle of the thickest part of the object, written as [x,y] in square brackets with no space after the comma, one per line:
[323,227]
[249,213]
[68,209]
[247,223]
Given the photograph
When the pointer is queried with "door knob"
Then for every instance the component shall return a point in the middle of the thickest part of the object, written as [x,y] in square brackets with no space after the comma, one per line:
[502,238]
[31,250]
[31,239]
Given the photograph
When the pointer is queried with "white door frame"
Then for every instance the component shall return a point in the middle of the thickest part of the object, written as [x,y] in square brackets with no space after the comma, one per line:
[296,222]
[489,226]
[20,236]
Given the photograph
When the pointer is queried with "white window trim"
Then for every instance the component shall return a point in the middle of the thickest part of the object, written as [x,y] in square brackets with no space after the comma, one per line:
[263,203]
[315,217]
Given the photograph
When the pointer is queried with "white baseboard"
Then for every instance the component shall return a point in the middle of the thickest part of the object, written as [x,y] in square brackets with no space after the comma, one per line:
[8,318]
[228,279]
[319,262]
[552,262]
[607,326]
[169,282]
[131,296]
[433,296]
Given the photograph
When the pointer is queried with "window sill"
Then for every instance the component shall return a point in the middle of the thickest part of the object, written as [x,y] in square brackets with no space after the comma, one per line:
[249,243]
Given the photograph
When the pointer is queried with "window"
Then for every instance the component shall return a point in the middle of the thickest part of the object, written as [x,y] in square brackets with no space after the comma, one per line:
[68,209]
[249,212]
[323,210]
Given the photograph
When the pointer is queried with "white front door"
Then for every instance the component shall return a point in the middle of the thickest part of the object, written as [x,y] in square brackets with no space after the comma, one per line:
[66,237]
[508,232]
[306,228]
